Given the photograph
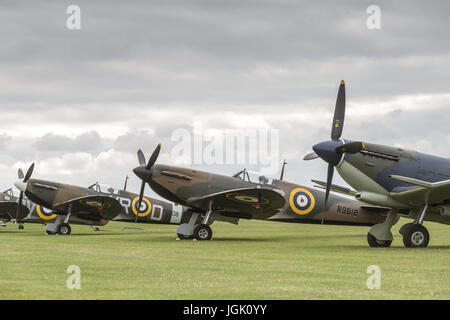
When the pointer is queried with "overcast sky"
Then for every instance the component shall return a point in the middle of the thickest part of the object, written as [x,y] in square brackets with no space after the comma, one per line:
[81,102]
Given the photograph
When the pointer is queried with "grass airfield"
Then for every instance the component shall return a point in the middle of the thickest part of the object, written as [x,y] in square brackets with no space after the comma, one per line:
[255,260]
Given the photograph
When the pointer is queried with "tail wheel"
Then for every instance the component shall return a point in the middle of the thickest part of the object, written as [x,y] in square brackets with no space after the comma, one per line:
[63,229]
[415,236]
[375,243]
[202,232]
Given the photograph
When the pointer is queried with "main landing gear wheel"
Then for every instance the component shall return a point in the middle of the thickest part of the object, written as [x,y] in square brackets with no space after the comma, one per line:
[202,232]
[184,237]
[415,236]
[21,227]
[63,229]
[375,243]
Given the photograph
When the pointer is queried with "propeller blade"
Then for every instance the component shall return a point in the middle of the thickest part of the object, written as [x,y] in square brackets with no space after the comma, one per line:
[351,147]
[20,204]
[20,173]
[153,157]
[310,156]
[29,172]
[141,158]
[141,195]
[339,113]
[329,180]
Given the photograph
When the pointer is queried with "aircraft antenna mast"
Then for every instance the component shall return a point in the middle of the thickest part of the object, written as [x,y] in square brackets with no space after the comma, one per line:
[282,169]
[125,184]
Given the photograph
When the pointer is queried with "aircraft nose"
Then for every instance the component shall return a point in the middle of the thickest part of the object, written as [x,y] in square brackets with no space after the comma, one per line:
[142,172]
[22,186]
[327,151]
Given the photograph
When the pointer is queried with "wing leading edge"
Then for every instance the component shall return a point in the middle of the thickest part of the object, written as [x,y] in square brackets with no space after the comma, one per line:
[424,192]
[242,202]
[93,207]
[8,210]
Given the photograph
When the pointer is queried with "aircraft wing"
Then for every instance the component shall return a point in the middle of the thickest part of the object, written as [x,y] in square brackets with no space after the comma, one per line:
[93,207]
[8,210]
[242,203]
[335,188]
[422,191]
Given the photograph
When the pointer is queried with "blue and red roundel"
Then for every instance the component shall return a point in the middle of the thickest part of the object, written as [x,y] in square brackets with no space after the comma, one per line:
[44,213]
[301,201]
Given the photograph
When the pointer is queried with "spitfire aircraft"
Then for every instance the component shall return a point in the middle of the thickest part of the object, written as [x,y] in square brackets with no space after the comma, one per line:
[11,210]
[212,197]
[57,204]
[412,184]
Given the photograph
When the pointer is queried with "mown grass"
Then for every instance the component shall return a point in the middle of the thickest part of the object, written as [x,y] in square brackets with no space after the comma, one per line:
[256,260]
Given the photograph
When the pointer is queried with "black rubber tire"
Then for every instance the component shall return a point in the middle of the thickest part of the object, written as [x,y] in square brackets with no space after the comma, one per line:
[64,229]
[183,237]
[404,228]
[416,236]
[21,227]
[374,243]
[202,232]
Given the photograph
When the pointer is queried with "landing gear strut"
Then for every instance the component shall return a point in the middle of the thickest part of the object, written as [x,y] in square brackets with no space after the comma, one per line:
[415,235]
[59,226]
[185,230]
[191,230]
[380,235]
[203,231]
[373,242]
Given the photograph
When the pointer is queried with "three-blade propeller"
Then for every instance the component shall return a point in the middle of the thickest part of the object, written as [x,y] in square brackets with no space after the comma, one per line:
[332,150]
[21,185]
[148,166]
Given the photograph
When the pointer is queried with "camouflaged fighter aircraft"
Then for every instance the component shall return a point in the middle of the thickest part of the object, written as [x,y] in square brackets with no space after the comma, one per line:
[11,210]
[213,197]
[413,184]
[58,204]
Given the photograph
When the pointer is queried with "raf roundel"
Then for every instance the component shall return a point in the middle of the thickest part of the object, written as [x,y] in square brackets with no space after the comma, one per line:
[245,198]
[301,201]
[44,213]
[146,207]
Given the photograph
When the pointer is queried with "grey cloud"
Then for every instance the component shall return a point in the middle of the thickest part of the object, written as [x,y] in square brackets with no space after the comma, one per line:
[4,140]
[178,52]
[150,67]
[86,142]
[134,139]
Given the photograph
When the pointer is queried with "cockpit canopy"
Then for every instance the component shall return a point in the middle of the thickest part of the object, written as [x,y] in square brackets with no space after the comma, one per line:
[101,187]
[253,177]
